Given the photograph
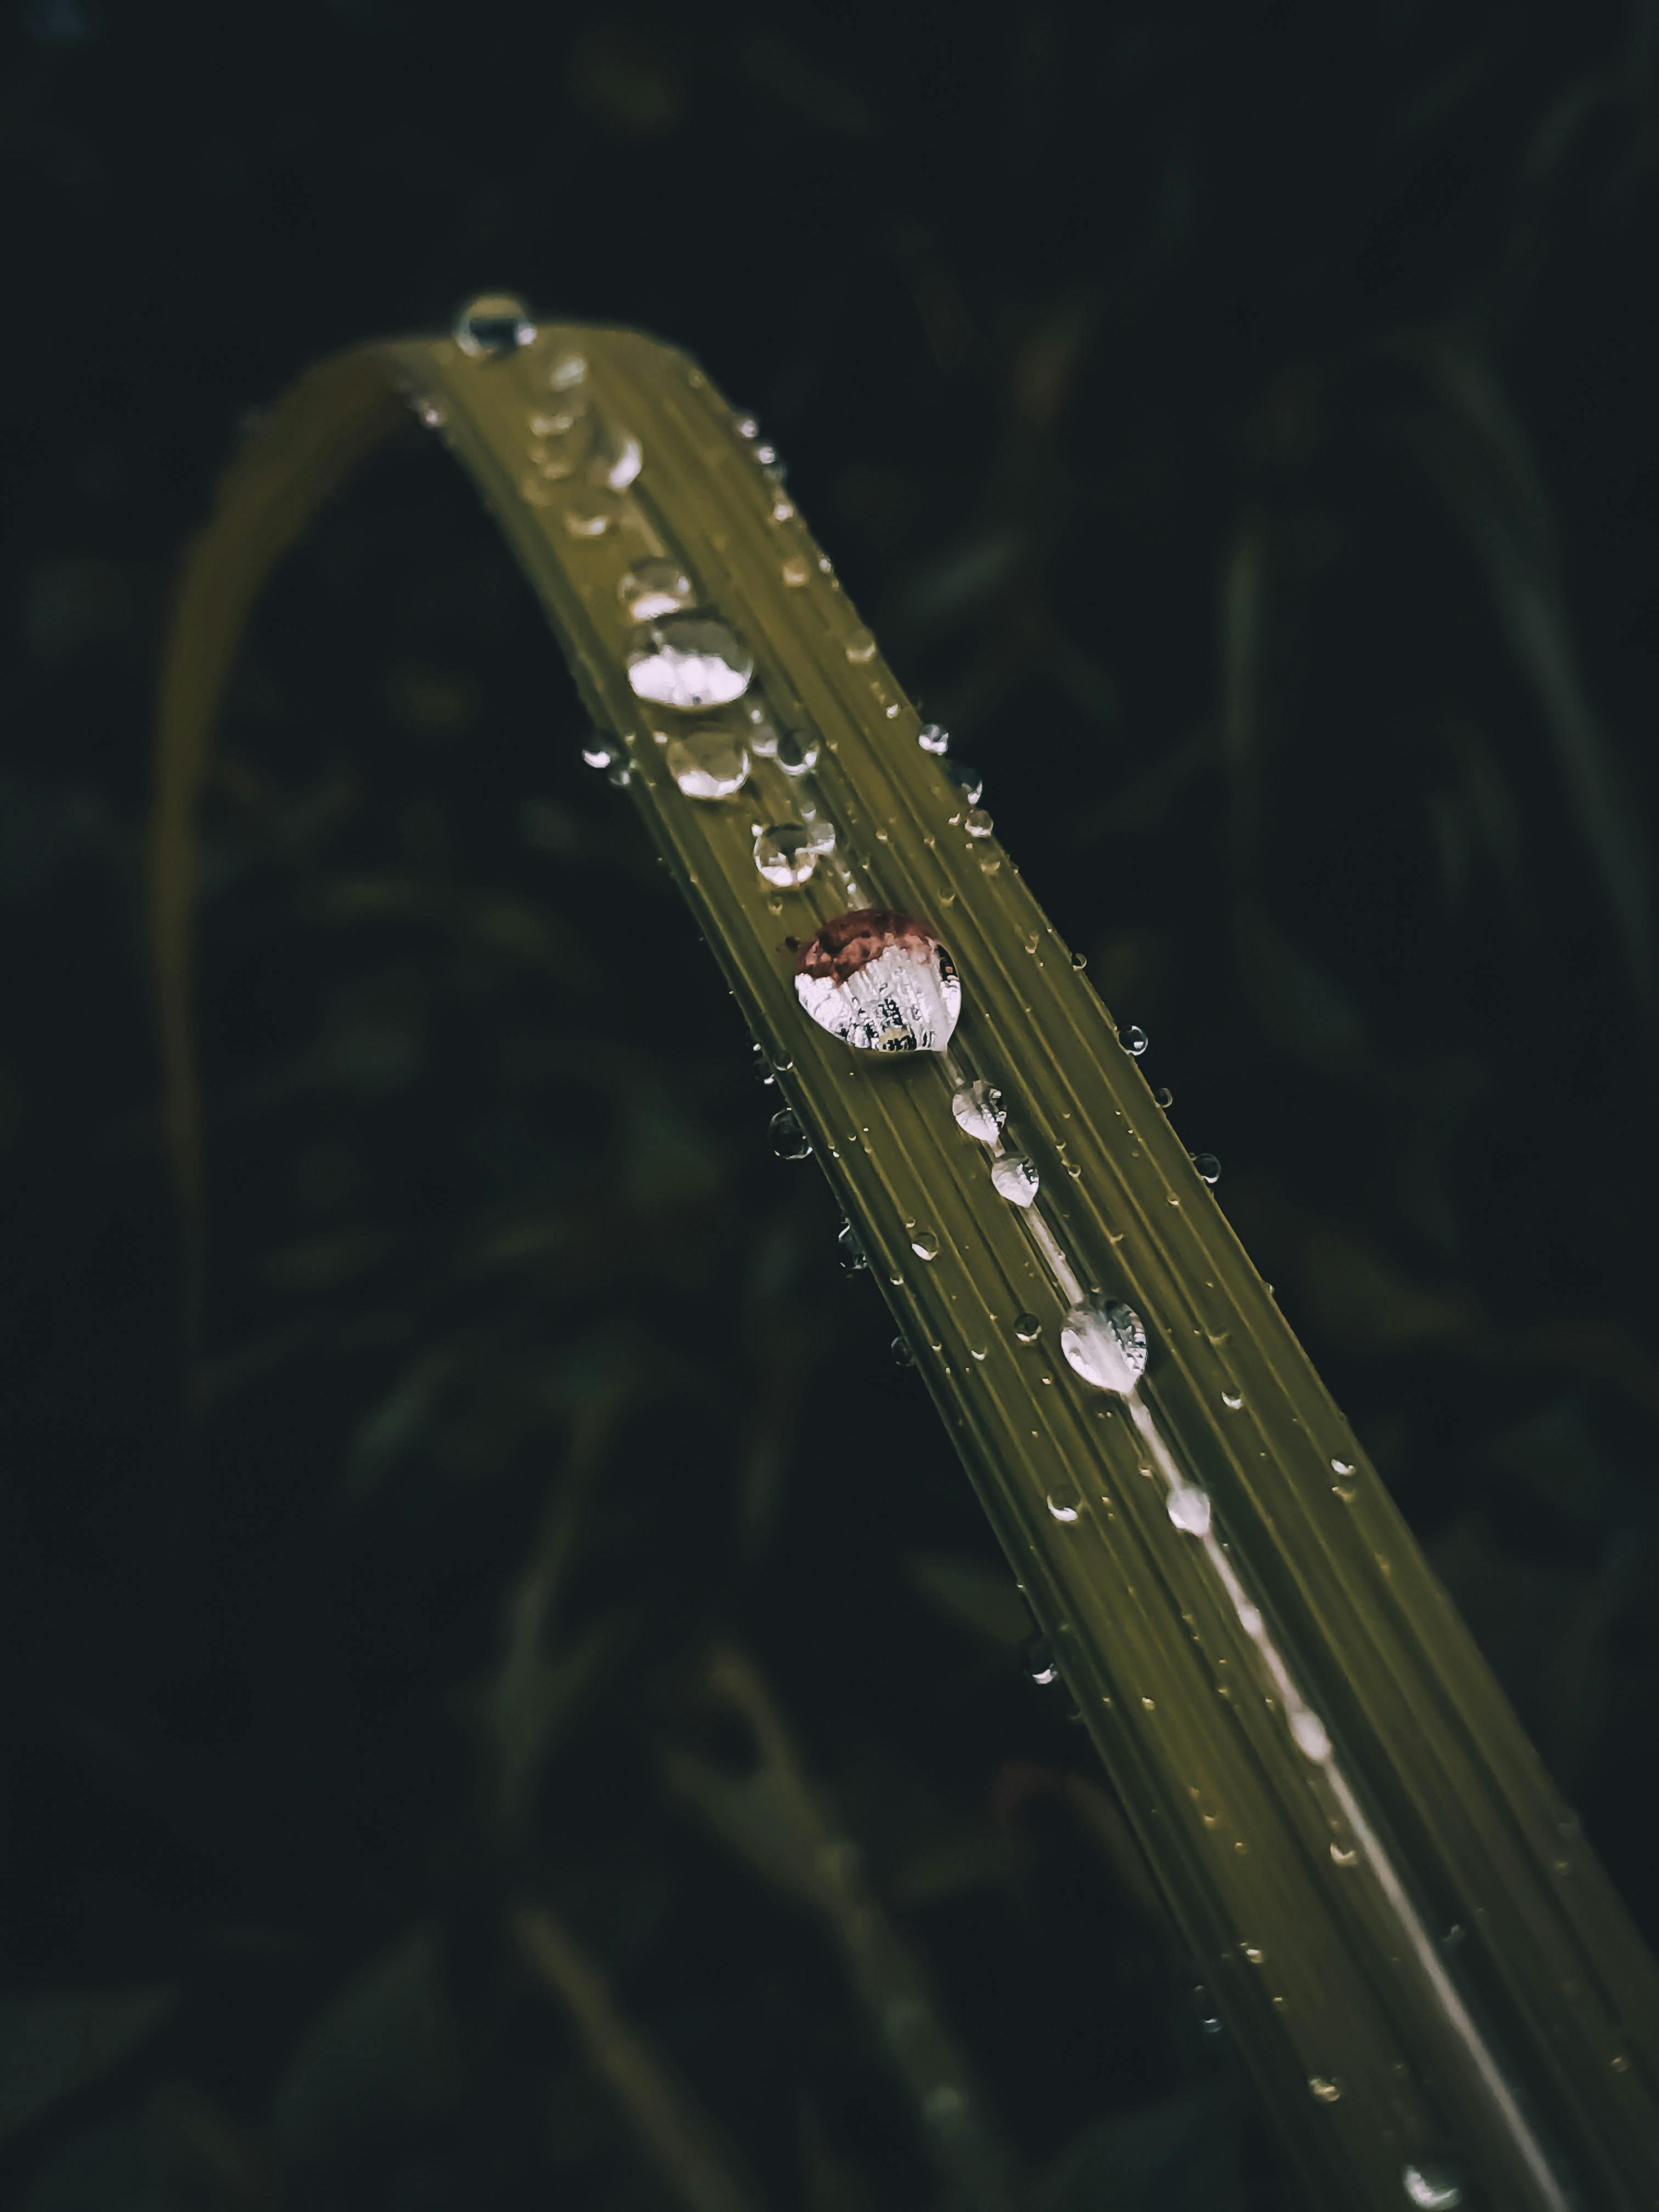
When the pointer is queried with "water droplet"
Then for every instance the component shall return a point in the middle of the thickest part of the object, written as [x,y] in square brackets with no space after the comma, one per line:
[558,419]
[762,1065]
[933,738]
[1150,1704]
[924,1242]
[880,982]
[903,1355]
[657,587]
[1207,1165]
[789,1140]
[821,836]
[798,752]
[593,515]
[765,455]
[599,750]
[1326,2088]
[1133,1039]
[708,764]
[1027,1328]
[614,456]
[1343,1855]
[568,370]
[1620,2063]
[1436,2185]
[979,823]
[860,646]
[784,854]
[621,774]
[1312,1740]
[1190,1509]
[1232,1399]
[1065,1504]
[432,412]
[746,426]
[979,1111]
[1105,1344]
[968,780]
[1254,1953]
[1080,961]
[988,866]
[849,1250]
[1341,1466]
[783,510]
[1164,1097]
[493,325]
[688,660]
[1016,1179]
[1036,1657]
[795,572]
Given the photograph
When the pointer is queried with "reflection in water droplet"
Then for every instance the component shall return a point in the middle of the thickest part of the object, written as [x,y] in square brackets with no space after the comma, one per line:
[924,1242]
[1436,2185]
[1016,1179]
[798,752]
[860,646]
[688,660]
[880,982]
[979,1109]
[933,737]
[784,855]
[1207,1165]
[493,325]
[1326,2088]
[903,1355]
[988,866]
[656,587]
[1190,1509]
[1311,1739]
[795,572]
[789,1140]
[1232,1399]
[708,764]
[1027,1328]
[1065,1504]
[979,823]
[968,780]
[1132,1038]
[1105,1344]
[849,1250]
[1163,1097]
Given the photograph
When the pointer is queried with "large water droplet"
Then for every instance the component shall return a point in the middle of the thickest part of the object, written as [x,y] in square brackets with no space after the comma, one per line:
[784,854]
[880,982]
[1190,1509]
[1016,1179]
[1434,2185]
[789,1140]
[1105,1344]
[849,1250]
[933,737]
[1132,1038]
[1326,2088]
[1036,1657]
[708,764]
[860,646]
[656,587]
[1207,1165]
[924,1242]
[979,1109]
[968,780]
[493,325]
[1027,1328]
[798,752]
[979,823]
[688,660]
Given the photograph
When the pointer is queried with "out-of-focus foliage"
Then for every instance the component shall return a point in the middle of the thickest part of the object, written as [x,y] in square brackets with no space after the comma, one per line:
[464,1751]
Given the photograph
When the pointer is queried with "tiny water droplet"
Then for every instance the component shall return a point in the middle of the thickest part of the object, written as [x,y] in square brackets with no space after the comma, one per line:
[968,780]
[784,854]
[903,1355]
[593,515]
[979,1111]
[1016,1179]
[599,750]
[1343,1855]
[1163,1097]
[849,1250]
[1150,1704]
[765,455]
[924,1242]
[1080,961]
[860,646]
[880,982]
[1036,1657]
[688,660]
[795,572]
[621,774]
[789,1140]
[979,823]
[493,325]
[1027,1328]
[1620,2063]
[1433,2185]
[656,587]
[746,425]
[1105,1344]
[783,510]
[1232,1399]
[1207,1165]
[1326,2088]
[798,752]
[1254,1953]
[708,764]
[1132,1038]
[567,371]
[933,737]
[1341,1466]
[1065,1504]
[1190,1509]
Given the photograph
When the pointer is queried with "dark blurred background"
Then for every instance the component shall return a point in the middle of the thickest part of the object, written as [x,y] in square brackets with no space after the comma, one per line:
[536,1718]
